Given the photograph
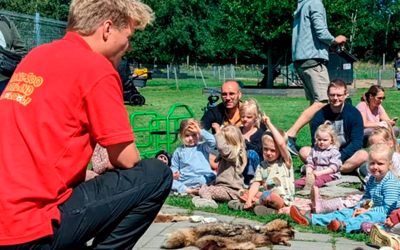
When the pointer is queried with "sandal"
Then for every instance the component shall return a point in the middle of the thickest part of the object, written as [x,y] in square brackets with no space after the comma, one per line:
[236,205]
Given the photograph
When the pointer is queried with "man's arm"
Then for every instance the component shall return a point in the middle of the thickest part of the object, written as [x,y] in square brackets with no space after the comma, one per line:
[318,22]
[123,155]
[354,131]
[315,122]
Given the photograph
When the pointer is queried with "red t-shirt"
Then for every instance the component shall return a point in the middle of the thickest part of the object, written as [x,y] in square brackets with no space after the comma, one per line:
[62,98]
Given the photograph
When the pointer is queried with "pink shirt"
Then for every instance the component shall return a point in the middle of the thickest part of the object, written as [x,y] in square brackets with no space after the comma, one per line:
[372,116]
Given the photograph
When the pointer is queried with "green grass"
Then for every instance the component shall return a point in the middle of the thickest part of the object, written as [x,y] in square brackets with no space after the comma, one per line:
[161,94]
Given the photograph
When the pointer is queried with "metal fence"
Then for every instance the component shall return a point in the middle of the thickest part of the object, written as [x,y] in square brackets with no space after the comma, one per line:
[36,30]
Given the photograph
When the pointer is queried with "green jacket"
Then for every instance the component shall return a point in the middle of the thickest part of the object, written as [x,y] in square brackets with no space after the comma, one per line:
[13,39]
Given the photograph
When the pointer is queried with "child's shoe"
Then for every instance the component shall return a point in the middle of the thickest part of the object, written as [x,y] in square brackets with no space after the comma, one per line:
[236,205]
[298,217]
[203,202]
[366,227]
[380,237]
[336,225]
[262,210]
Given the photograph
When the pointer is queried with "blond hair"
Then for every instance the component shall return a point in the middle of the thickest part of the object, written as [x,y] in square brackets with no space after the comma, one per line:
[327,127]
[268,137]
[381,148]
[85,16]
[185,125]
[386,134]
[251,106]
[231,145]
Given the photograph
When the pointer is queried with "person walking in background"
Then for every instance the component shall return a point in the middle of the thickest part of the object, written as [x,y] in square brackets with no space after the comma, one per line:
[310,43]
[53,114]
[12,45]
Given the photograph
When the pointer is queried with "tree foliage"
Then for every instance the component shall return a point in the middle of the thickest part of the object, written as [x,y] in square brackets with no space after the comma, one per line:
[242,30]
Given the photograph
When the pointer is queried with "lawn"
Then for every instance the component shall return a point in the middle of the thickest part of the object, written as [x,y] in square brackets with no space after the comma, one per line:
[161,94]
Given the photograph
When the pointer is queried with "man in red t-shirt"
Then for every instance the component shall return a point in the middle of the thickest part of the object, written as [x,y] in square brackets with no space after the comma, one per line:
[63,98]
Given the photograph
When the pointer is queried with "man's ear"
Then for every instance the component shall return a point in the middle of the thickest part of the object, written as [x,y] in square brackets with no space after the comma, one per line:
[107,29]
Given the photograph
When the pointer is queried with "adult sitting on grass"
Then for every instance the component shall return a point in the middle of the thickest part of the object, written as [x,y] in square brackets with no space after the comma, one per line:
[373,113]
[227,112]
[345,119]
[76,101]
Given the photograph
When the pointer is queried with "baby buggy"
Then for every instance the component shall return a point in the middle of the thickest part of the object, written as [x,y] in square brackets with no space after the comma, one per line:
[131,81]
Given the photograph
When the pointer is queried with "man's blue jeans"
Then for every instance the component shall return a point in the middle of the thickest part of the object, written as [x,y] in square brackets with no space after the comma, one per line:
[115,209]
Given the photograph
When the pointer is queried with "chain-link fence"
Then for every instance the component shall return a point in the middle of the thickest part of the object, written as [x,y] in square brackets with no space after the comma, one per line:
[36,30]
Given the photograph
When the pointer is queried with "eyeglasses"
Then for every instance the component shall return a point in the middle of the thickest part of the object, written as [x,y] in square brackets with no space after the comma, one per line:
[226,94]
[337,95]
[381,98]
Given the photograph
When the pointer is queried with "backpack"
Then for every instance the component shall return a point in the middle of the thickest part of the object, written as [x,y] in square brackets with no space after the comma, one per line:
[8,59]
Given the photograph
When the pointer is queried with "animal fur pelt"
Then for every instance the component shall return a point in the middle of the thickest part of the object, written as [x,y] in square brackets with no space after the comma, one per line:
[225,236]
[163,218]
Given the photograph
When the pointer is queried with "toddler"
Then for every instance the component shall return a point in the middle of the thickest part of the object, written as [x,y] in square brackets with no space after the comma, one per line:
[382,188]
[323,162]
[229,180]
[189,163]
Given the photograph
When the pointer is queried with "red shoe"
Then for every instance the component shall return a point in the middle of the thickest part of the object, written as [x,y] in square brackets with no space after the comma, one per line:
[298,217]
[335,225]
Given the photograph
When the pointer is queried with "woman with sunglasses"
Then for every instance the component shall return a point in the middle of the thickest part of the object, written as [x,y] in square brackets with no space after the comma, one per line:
[373,113]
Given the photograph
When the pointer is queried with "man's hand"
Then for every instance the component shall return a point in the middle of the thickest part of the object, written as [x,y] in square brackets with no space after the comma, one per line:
[340,39]
[216,127]
[176,175]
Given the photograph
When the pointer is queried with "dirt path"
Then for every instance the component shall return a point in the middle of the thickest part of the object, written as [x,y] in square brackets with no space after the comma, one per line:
[366,83]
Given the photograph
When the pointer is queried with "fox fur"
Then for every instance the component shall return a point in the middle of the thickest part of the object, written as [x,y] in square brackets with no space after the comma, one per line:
[163,218]
[226,236]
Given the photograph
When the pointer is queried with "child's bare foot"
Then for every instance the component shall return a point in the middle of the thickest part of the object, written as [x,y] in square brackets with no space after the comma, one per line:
[193,191]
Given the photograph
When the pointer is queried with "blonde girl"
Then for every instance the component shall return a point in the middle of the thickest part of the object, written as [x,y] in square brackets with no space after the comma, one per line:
[250,115]
[323,162]
[189,163]
[381,135]
[275,172]
[378,135]
[229,180]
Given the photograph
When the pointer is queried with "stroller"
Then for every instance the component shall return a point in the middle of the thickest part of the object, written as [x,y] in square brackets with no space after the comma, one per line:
[130,81]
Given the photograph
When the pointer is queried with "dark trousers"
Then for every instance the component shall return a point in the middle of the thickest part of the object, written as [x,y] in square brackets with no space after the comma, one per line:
[115,209]
[3,85]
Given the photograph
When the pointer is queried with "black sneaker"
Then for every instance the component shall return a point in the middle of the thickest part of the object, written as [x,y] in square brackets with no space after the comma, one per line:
[291,146]
[362,172]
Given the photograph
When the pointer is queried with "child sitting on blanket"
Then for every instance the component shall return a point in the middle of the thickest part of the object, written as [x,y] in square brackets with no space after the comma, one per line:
[383,188]
[229,180]
[378,136]
[323,162]
[189,164]
[275,174]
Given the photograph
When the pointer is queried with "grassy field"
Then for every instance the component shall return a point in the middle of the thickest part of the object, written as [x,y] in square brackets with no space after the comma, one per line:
[161,94]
